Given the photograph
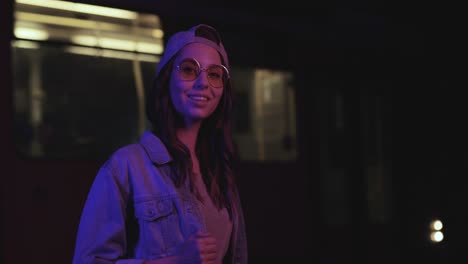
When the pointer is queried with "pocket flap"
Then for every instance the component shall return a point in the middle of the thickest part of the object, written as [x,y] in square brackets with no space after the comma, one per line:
[153,209]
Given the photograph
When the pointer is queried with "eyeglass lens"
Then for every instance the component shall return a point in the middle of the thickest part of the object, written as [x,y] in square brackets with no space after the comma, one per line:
[189,71]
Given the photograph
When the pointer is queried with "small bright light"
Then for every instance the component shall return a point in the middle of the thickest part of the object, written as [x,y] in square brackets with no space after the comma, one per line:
[158,33]
[437,236]
[24,44]
[84,40]
[112,54]
[82,8]
[149,47]
[119,44]
[436,225]
[31,33]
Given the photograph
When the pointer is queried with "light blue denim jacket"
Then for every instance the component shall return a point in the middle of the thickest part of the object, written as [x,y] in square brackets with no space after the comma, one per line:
[134,212]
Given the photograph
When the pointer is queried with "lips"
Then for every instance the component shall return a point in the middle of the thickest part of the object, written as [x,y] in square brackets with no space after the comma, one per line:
[198,97]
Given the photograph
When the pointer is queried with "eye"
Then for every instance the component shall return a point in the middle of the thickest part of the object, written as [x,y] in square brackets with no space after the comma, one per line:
[215,72]
[188,68]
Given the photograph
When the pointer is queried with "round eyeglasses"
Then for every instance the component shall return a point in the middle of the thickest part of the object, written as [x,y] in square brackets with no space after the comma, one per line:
[189,69]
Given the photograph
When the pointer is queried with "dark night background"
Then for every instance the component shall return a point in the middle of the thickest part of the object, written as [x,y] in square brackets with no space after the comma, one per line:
[404,53]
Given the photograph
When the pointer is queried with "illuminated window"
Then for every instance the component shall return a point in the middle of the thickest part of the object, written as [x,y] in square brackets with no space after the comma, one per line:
[80,76]
[266,119]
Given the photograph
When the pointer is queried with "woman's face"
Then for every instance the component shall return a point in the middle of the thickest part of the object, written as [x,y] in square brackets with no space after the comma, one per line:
[195,99]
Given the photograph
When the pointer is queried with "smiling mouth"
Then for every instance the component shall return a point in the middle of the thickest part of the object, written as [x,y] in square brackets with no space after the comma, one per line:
[198,98]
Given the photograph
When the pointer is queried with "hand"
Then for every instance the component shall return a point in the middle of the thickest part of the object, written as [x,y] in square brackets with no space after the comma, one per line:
[199,248]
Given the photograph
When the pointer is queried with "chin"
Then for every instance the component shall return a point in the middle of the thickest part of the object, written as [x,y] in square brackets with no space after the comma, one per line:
[196,117]
[199,114]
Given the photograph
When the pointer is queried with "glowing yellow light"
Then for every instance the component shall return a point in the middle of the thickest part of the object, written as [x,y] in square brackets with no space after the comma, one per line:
[82,8]
[118,44]
[158,33]
[129,56]
[24,44]
[146,47]
[81,23]
[437,236]
[55,20]
[112,54]
[84,40]
[31,33]
[436,225]
[82,51]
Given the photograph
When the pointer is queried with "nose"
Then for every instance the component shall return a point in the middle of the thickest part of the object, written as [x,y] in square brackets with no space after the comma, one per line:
[202,80]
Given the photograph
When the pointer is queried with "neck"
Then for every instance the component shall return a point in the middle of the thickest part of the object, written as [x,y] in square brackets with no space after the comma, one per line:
[188,136]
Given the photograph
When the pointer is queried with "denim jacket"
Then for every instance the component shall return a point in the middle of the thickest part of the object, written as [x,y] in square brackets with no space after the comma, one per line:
[134,212]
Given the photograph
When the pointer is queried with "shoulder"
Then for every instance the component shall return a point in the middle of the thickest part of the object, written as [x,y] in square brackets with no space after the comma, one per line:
[123,157]
[137,157]
[149,147]
[128,152]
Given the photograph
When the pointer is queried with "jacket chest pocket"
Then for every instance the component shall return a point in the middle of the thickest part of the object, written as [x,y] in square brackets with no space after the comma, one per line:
[159,229]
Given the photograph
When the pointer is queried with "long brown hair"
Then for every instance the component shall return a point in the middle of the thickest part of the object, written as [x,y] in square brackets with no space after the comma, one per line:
[215,148]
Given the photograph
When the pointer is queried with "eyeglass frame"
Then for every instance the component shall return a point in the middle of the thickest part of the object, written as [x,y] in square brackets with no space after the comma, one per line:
[203,69]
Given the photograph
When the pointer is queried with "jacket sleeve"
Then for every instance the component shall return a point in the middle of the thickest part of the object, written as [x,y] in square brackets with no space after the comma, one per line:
[101,236]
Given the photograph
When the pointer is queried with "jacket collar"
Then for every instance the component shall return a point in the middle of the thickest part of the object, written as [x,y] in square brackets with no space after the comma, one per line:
[156,150]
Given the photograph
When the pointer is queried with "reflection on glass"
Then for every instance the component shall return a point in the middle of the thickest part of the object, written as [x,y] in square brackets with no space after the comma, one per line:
[77,98]
[80,82]
[266,127]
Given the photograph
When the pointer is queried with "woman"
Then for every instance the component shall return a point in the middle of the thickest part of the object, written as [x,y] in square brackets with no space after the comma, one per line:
[172,197]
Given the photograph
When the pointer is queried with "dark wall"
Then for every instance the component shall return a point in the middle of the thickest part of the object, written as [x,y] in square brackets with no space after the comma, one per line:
[6,158]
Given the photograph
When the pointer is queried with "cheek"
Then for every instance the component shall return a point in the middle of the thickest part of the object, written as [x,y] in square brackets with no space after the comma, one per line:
[218,94]
[176,93]
[178,104]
